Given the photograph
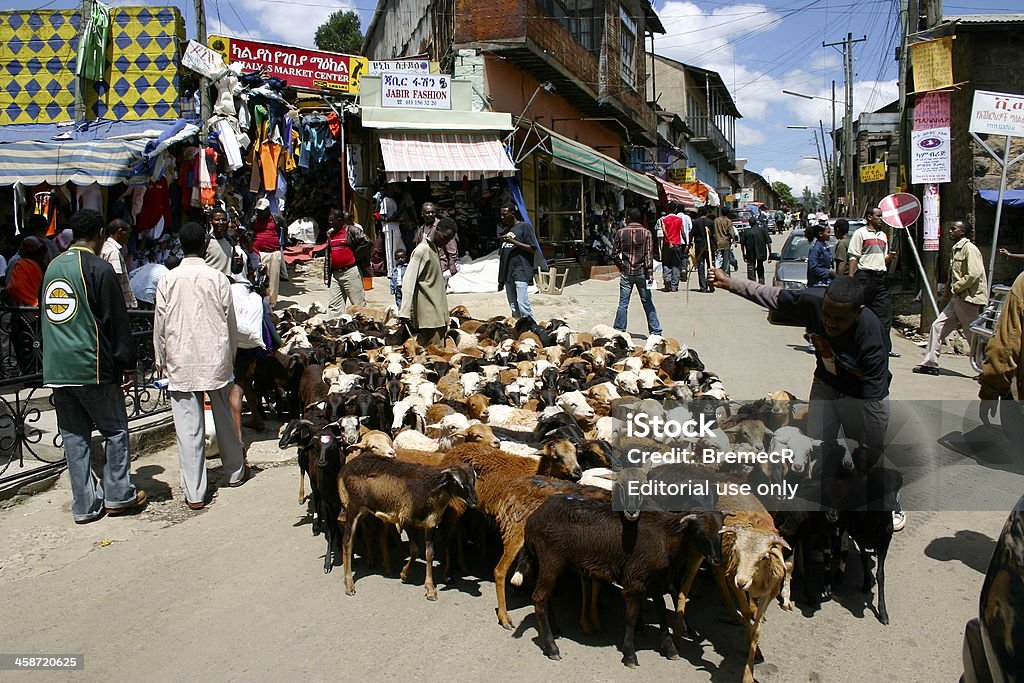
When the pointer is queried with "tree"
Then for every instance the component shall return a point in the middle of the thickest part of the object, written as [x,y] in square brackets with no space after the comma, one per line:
[340,33]
[810,200]
[785,193]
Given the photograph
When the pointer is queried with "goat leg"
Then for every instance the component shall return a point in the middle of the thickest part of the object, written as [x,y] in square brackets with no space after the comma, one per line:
[589,622]
[632,614]
[351,523]
[755,636]
[541,591]
[685,585]
[865,563]
[882,550]
[429,557]
[500,572]
[667,644]
[414,552]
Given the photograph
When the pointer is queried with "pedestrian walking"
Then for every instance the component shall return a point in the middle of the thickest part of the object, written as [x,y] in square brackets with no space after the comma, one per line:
[424,301]
[220,249]
[850,386]
[89,357]
[118,233]
[1002,375]
[390,227]
[968,293]
[450,255]
[267,242]
[398,274]
[820,270]
[724,235]
[702,237]
[869,263]
[841,258]
[345,239]
[515,260]
[755,243]
[194,341]
[632,246]
[672,249]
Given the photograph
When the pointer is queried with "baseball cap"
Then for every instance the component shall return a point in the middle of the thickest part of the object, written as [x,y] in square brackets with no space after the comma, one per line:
[64,239]
[262,203]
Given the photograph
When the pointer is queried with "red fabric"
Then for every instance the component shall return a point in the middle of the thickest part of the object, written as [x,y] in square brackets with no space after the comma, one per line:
[24,281]
[673,225]
[266,234]
[342,255]
[156,204]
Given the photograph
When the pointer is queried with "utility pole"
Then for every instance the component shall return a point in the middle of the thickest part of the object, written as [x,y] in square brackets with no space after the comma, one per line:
[80,82]
[830,185]
[834,164]
[848,116]
[204,92]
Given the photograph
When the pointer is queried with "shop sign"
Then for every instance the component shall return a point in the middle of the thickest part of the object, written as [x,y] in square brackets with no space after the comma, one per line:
[202,59]
[933,64]
[421,91]
[997,113]
[301,68]
[676,175]
[929,156]
[691,175]
[745,195]
[872,173]
[400,66]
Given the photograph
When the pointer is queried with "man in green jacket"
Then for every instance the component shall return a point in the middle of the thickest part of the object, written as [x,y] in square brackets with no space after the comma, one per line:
[89,355]
[968,294]
[424,301]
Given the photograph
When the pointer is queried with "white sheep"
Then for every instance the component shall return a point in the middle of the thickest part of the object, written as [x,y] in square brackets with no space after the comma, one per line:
[603,331]
[575,403]
[512,419]
[402,408]
[470,382]
[601,477]
[793,439]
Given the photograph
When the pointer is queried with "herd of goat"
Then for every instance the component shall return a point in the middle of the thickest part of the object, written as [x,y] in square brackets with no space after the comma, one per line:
[517,426]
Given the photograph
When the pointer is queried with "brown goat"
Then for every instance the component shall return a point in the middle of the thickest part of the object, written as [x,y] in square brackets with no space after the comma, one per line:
[510,489]
[408,495]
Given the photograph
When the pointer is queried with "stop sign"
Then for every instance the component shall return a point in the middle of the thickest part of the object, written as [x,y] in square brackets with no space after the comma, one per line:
[900,210]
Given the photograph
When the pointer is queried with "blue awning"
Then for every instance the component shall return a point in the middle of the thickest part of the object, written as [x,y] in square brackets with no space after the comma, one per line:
[92,129]
[1014,198]
[106,162]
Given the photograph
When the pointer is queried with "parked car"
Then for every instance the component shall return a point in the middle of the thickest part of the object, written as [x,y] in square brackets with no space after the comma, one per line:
[854,223]
[741,219]
[994,642]
[791,271]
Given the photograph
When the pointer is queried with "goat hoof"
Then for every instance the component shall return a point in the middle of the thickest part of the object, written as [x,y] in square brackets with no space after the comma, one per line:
[883,617]
[432,595]
[556,657]
[630,661]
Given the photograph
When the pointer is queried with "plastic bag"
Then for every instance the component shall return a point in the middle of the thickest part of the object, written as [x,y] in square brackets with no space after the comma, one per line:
[303,230]
[248,316]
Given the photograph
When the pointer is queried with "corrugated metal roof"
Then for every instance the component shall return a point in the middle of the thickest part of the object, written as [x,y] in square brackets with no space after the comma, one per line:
[984,18]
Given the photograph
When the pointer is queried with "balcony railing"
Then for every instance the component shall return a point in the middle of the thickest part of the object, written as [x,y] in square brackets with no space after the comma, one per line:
[705,129]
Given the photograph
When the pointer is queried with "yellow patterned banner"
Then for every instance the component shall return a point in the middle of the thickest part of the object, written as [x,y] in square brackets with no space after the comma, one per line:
[933,64]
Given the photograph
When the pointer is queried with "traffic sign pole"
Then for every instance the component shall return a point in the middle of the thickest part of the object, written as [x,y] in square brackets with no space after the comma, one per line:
[900,211]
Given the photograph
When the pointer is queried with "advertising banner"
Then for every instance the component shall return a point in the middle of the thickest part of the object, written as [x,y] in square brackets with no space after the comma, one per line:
[202,59]
[400,66]
[931,218]
[931,110]
[302,68]
[933,64]
[997,113]
[930,156]
[406,91]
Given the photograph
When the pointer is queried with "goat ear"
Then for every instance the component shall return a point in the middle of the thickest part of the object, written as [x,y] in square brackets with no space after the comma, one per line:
[779,540]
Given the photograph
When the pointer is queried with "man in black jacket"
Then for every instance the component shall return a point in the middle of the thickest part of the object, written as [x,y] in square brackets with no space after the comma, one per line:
[701,237]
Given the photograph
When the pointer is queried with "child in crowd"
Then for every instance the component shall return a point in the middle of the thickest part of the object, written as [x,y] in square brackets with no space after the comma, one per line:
[397,273]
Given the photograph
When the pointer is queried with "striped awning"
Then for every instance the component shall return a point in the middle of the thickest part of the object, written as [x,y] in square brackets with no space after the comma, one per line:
[674,193]
[443,156]
[585,160]
[105,162]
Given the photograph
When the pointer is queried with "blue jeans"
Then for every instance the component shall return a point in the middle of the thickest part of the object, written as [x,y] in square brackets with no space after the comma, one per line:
[626,283]
[79,411]
[518,299]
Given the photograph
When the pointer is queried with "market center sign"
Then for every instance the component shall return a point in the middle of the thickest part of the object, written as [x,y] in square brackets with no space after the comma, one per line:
[416,91]
[997,113]
[302,68]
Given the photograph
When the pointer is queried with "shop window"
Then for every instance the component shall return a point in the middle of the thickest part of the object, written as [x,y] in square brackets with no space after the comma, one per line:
[627,36]
[559,195]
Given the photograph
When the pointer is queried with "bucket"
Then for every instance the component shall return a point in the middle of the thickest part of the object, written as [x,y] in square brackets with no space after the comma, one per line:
[367,283]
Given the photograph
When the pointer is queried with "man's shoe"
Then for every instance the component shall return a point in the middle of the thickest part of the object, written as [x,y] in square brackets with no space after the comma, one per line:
[899,520]
[245,477]
[926,370]
[91,519]
[894,354]
[140,500]
[196,506]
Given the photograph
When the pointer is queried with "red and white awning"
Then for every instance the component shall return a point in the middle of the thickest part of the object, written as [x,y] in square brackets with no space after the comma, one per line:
[677,194]
[443,156]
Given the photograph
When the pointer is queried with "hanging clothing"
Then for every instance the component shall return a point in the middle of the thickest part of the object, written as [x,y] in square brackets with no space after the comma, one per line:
[155,213]
[92,46]
[90,197]
[229,143]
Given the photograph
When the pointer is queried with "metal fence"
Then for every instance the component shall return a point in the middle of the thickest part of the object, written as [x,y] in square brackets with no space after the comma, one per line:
[23,399]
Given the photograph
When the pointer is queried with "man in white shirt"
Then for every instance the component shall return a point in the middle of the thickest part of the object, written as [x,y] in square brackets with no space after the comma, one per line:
[389,221]
[144,280]
[118,233]
[195,339]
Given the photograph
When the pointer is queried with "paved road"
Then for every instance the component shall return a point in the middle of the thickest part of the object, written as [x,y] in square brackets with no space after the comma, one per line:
[237,592]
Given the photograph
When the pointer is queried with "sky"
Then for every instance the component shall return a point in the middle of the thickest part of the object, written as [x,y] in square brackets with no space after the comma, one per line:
[759,48]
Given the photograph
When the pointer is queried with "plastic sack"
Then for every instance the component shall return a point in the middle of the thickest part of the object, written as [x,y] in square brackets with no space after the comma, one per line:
[303,230]
[248,316]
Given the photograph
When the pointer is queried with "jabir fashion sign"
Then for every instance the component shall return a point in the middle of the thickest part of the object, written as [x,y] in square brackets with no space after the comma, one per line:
[302,68]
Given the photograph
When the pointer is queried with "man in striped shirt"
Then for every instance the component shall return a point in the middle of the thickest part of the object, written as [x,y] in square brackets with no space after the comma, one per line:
[633,247]
[869,262]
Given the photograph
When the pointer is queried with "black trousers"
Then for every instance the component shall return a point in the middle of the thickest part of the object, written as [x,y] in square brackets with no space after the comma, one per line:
[878,299]
[755,270]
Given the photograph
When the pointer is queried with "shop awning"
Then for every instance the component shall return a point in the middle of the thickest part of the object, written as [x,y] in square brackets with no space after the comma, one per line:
[437,156]
[703,192]
[1014,198]
[585,160]
[674,193]
[105,162]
